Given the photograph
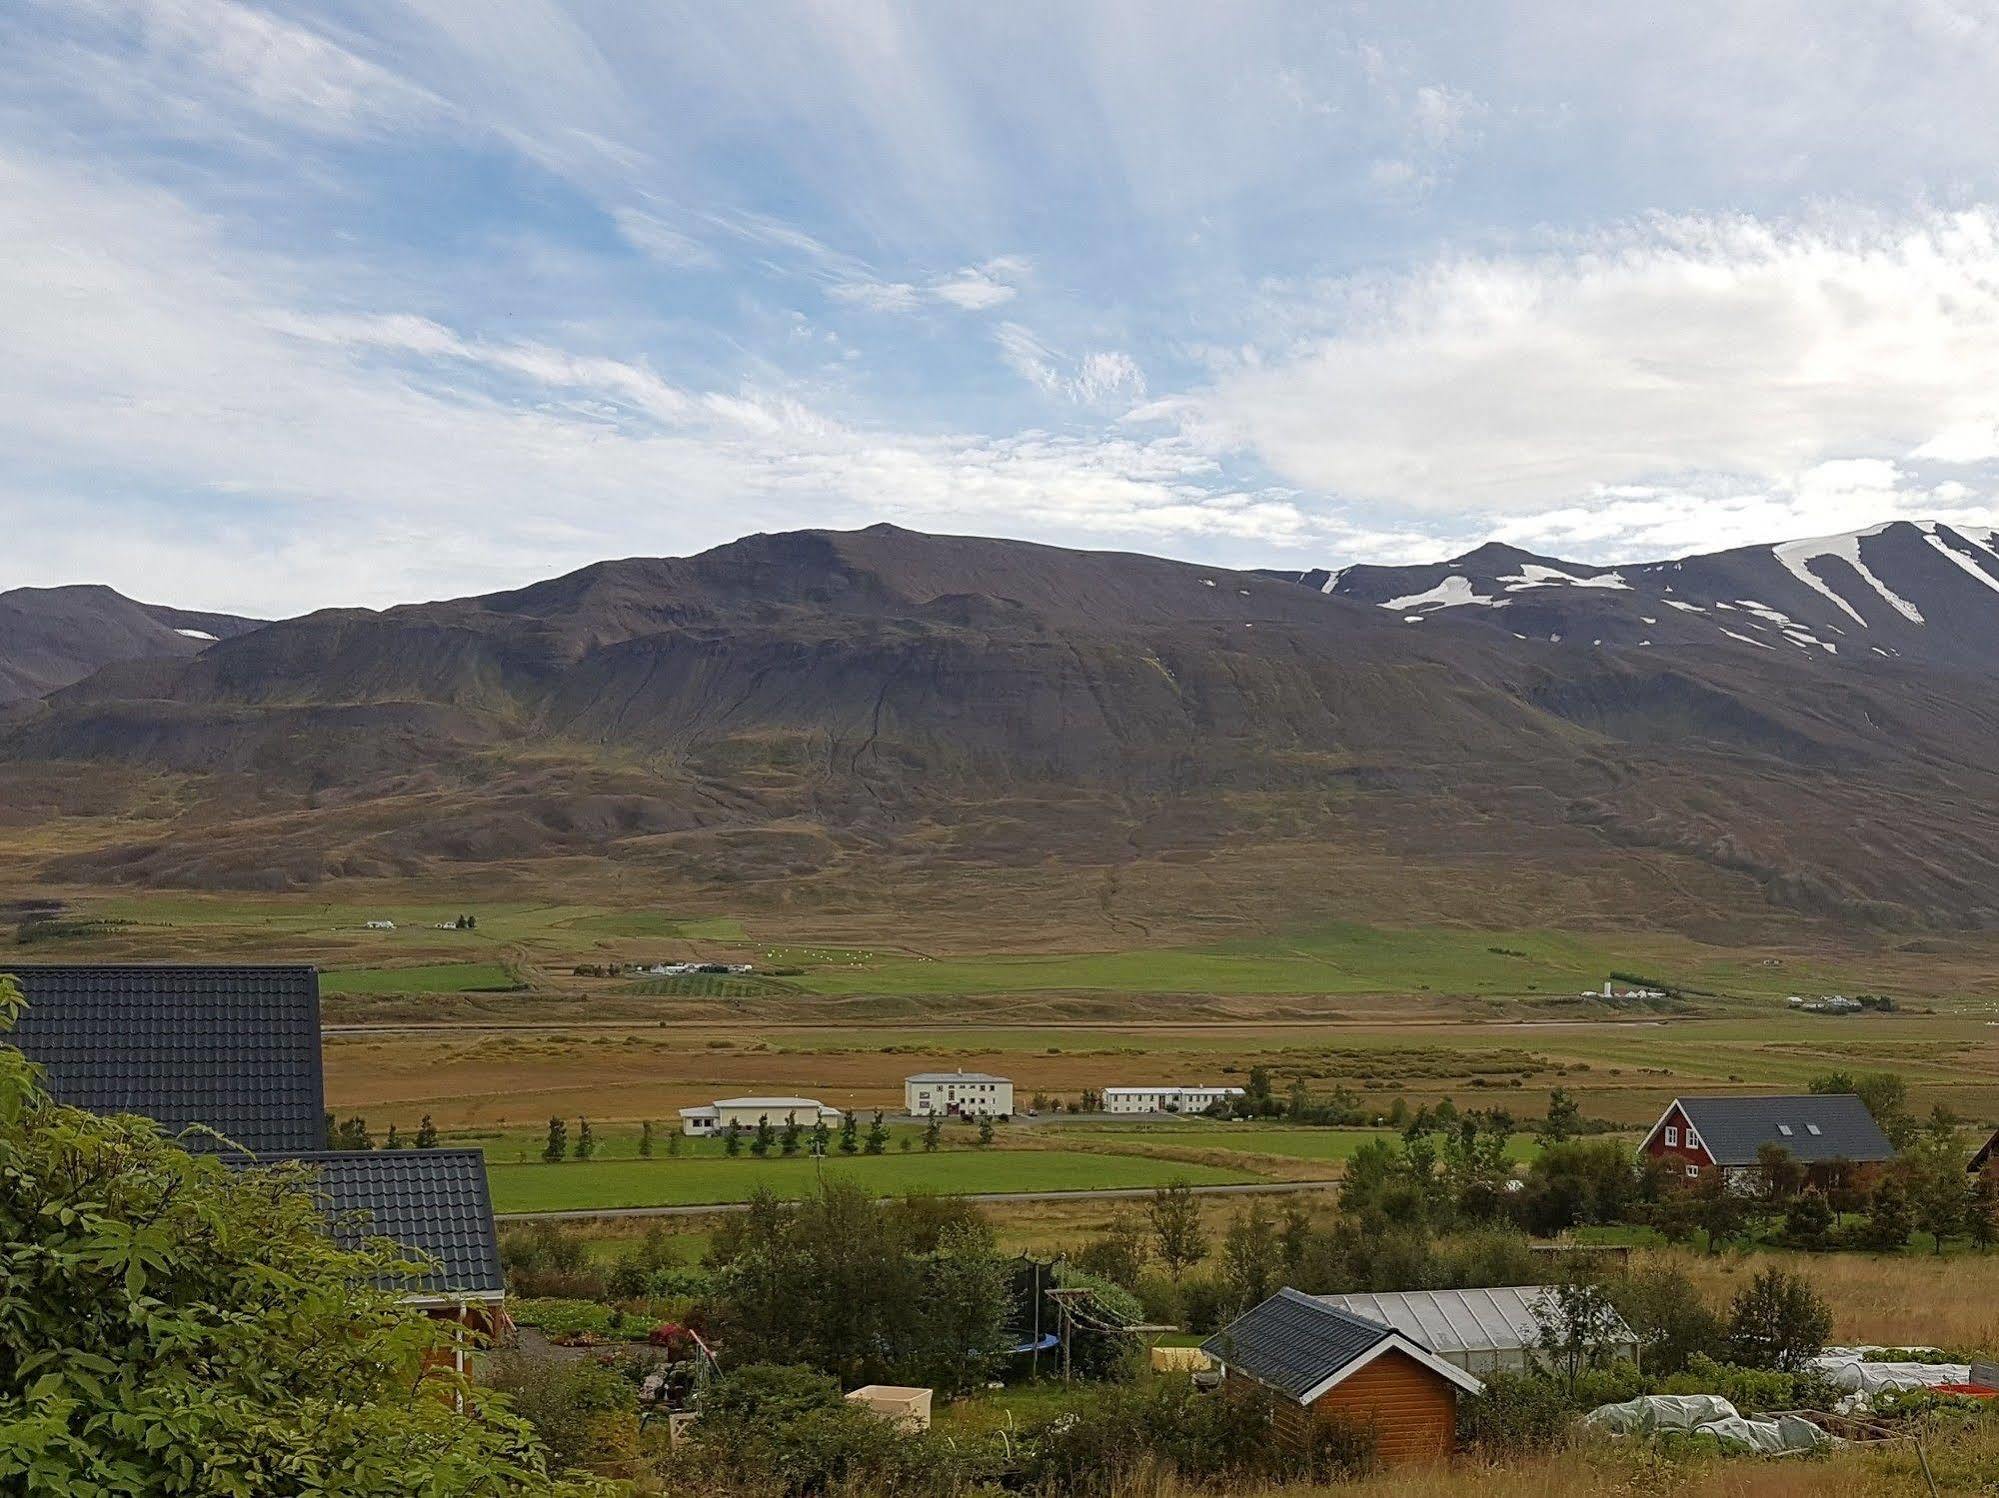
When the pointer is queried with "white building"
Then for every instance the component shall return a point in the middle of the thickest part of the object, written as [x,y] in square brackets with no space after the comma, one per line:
[1166,1099]
[748,1112]
[967,1093]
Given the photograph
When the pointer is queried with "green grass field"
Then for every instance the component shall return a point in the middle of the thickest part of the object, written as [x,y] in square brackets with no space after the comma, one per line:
[434,977]
[1330,1145]
[584,1184]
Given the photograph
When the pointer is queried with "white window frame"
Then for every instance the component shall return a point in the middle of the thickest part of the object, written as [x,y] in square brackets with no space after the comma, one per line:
[1693,1170]
[1672,1137]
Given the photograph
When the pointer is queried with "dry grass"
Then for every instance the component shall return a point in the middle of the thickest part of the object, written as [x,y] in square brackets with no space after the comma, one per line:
[1893,1300]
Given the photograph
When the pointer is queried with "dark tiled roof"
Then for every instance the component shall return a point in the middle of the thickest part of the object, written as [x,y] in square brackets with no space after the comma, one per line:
[234,1048]
[433,1202]
[1732,1129]
[1293,1343]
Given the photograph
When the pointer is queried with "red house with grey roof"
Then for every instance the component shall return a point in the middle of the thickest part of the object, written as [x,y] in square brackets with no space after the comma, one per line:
[1824,1132]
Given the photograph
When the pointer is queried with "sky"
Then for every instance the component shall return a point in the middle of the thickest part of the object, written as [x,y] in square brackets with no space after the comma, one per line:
[368,301]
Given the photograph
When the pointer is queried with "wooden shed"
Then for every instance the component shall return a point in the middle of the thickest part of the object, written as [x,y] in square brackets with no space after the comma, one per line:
[1322,1363]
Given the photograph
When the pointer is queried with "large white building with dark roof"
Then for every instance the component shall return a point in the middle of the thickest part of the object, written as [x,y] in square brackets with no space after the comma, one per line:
[968,1094]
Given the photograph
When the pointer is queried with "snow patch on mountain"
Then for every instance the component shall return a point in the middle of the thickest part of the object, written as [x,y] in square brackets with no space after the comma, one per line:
[1535,575]
[1797,555]
[1929,529]
[1452,592]
[196,634]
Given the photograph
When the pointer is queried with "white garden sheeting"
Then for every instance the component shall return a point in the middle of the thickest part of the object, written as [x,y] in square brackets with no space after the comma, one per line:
[1848,1370]
[1709,1417]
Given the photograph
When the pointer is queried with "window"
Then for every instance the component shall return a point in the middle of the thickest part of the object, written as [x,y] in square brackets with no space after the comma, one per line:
[1672,1135]
[1814,1130]
[1693,1140]
[1693,1170]
[1785,1130]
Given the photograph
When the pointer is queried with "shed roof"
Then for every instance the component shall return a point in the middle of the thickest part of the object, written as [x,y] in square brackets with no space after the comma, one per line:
[433,1202]
[1300,1346]
[1812,1126]
[1499,1318]
[232,1048]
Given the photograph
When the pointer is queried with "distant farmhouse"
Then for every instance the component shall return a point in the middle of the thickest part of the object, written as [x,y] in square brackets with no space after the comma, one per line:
[227,1060]
[1166,1099]
[970,1094]
[1724,1133]
[748,1112]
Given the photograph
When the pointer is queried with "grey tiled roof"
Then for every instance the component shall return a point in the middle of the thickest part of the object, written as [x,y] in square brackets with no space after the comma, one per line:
[1293,1343]
[1733,1128]
[234,1048]
[431,1201]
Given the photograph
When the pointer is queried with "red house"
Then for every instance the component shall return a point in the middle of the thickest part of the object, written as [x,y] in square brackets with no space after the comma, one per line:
[1726,1133]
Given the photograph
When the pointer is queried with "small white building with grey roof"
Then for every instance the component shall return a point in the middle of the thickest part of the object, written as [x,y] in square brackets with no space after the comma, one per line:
[967,1094]
[748,1112]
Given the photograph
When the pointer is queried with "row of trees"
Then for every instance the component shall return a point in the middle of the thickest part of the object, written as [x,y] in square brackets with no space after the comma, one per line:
[352,1133]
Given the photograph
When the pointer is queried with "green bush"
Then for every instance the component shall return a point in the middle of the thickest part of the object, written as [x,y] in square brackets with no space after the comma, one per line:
[557,1318]
[1751,1389]
[1517,1413]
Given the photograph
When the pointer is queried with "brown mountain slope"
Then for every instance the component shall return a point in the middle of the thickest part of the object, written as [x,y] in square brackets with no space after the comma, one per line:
[51,637]
[829,720]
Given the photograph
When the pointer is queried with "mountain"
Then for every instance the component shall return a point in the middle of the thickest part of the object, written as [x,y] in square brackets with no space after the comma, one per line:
[50,637]
[1017,735]
[1913,591]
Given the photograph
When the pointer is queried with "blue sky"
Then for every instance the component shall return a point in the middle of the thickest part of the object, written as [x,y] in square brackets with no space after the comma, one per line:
[364,302]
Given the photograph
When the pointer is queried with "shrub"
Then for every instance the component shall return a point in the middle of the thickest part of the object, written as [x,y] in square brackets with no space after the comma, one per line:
[1516,1414]
[1777,1321]
[583,1410]
[1202,1302]
[1750,1389]
[1671,1319]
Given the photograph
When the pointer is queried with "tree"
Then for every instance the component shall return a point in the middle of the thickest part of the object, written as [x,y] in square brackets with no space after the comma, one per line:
[1777,1321]
[1885,1095]
[1294,1239]
[878,1135]
[426,1134]
[821,1138]
[1939,1189]
[1888,1216]
[765,1136]
[787,1142]
[175,1326]
[1565,1116]
[645,1140]
[1252,1259]
[849,1142]
[1981,1210]
[1117,1253]
[586,1140]
[933,1131]
[1718,1209]
[394,1141]
[1779,1175]
[1670,1316]
[353,1135]
[985,1129]
[557,1147]
[732,1140]
[1808,1221]
[1578,1328]
[908,1292]
[673,1137]
[1176,1228]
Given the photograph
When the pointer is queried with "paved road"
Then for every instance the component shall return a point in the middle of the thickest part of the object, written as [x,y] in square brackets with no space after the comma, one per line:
[1109,1193]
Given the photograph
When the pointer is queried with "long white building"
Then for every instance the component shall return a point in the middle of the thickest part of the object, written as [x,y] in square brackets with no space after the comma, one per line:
[748,1112]
[1165,1099]
[964,1093]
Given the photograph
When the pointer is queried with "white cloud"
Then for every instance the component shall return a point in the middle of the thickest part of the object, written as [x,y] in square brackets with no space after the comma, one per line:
[1691,355]
[877,296]
[272,456]
[1096,378]
[976,288]
[660,240]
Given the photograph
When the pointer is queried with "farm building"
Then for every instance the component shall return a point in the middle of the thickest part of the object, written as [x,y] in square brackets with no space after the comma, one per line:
[204,1051]
[968,1093]
[748,1112]
[1987,1156]
[1325,1364]
[1484,1331]
[1822,1131]
[1165,1099]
